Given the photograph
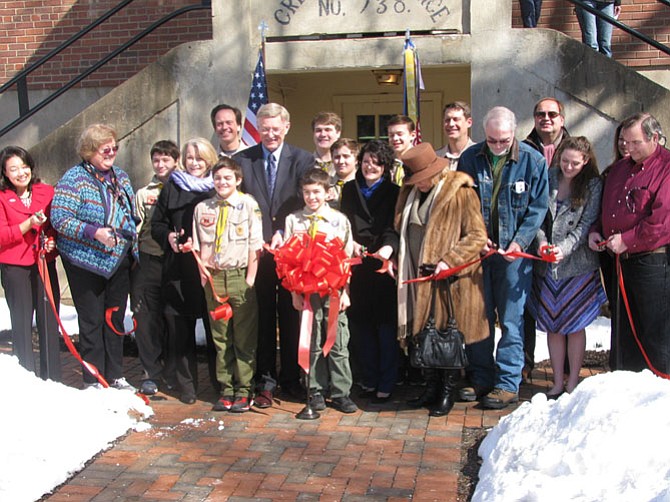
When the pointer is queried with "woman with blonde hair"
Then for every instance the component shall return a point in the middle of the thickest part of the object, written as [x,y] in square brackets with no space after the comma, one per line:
[171,226]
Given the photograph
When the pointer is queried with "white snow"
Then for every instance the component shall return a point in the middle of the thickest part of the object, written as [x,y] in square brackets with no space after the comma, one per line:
[49,430]
[608,440]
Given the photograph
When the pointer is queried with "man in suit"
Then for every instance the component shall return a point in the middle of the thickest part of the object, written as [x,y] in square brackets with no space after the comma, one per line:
[272,171]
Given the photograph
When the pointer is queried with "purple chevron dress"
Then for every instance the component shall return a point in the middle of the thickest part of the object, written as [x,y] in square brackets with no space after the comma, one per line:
[567,305]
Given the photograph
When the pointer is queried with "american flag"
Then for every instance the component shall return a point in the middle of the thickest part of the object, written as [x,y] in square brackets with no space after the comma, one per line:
[258,95]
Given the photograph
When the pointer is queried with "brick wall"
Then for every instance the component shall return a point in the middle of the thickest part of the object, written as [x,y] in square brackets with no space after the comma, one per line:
[650,17]
[31,28]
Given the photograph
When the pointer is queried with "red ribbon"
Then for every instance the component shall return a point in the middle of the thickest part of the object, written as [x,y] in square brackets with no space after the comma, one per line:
[547,255]
[386,263]
[46,281]
[223,311]
[108,319]
[309,265]
[624,296]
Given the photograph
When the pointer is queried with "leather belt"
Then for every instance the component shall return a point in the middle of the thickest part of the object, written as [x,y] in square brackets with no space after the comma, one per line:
[627,256]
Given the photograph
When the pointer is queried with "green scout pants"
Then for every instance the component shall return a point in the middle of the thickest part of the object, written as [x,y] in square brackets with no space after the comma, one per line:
[235,339]
[331,373]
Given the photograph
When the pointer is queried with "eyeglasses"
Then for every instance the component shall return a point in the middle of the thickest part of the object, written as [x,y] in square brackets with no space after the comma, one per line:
[505,141]
[271,130]
[551,115]
[109,150]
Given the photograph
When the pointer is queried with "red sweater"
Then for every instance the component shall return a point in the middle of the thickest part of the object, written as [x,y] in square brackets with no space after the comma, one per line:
[17,249]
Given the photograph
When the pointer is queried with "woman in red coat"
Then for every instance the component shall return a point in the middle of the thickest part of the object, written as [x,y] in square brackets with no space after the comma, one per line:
[25,204]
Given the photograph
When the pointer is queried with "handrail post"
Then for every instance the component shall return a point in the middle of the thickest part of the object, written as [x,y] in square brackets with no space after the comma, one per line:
[22,93]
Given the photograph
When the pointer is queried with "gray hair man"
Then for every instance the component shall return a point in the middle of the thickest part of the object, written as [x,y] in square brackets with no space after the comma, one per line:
[512,184]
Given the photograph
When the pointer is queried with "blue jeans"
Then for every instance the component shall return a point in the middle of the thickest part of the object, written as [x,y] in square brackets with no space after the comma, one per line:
[530,12]
[596,32]
[506,287]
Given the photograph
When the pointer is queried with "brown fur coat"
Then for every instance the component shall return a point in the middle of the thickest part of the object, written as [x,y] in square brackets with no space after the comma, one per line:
[455,234]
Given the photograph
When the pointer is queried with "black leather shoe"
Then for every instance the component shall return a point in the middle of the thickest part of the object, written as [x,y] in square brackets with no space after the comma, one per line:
[427,398]
[187,399]
[552,397]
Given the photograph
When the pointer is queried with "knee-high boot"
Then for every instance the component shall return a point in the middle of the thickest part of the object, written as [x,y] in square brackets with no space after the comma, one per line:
[445,401]
[431,392]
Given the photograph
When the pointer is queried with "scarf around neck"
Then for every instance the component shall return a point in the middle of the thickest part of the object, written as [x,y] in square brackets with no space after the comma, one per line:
[192,183]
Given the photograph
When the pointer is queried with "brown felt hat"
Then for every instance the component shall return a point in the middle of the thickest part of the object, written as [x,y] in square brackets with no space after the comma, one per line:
[423,163]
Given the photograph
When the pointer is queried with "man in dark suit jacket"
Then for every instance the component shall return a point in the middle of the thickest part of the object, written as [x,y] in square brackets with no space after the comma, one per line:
[271,173]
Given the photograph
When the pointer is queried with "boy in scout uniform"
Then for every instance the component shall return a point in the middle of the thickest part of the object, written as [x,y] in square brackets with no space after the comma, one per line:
[332,373]
[228,234]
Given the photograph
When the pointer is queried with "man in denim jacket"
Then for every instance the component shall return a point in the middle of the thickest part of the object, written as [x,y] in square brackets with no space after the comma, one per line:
[511,181]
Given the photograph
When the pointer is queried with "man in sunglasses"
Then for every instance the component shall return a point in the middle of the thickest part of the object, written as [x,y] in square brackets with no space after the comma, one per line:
[546,138]
[549,128]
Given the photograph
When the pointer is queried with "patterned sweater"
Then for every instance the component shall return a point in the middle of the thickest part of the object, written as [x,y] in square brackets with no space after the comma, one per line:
[78,202]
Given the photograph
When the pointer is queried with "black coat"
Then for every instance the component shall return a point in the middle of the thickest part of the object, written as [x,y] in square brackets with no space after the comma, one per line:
[182,290]
[373,295]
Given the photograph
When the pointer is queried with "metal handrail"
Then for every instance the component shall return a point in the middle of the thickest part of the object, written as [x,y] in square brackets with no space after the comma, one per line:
[57,50]
[206,4]
[624,27]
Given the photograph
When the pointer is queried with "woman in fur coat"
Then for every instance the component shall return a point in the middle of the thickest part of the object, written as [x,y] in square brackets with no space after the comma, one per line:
[441,226]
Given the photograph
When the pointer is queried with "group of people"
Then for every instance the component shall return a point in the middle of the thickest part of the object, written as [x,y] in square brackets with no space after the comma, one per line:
[596,32]
[201,236]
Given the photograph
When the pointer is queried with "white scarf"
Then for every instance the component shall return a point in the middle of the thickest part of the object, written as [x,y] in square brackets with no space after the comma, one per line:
[404,262]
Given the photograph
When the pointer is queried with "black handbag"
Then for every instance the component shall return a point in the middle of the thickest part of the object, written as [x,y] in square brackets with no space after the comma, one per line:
[435,348]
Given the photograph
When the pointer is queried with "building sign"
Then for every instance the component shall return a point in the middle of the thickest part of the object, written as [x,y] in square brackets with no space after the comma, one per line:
[309,17]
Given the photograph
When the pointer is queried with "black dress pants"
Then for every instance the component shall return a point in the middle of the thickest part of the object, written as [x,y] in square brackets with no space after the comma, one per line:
[148,310]
[24,294]
[275,306]
[92,295]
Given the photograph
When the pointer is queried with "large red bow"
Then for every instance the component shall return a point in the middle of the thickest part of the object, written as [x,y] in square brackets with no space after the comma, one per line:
[308,265]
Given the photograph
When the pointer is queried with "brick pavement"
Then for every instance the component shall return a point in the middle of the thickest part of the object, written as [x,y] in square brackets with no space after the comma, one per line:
[383,452]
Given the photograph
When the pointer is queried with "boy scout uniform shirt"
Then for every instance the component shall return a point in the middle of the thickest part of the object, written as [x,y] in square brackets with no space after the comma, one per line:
[329,221]
[145,203]
[242,234]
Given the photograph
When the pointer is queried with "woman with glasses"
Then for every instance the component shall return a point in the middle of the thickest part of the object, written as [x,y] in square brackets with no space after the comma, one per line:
[171,227]
[25,206]
[92,212]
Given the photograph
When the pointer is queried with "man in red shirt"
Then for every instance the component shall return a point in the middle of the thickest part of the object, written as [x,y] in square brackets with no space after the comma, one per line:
[635,224]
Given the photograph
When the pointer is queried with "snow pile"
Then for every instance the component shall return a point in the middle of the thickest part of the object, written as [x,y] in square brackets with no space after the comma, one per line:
[50,430]
[608,440]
